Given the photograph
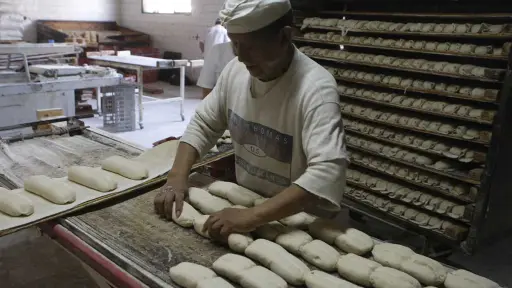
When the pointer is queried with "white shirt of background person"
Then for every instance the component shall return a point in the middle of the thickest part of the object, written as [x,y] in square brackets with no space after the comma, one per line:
[220,55]
[216,35]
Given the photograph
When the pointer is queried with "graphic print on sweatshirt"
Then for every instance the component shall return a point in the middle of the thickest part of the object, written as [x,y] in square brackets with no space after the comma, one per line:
[263,152]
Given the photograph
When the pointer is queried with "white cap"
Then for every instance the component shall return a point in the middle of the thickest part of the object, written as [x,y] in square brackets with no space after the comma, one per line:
[244,16]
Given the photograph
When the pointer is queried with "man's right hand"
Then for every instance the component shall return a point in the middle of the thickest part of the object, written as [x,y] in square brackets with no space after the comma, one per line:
[172,193]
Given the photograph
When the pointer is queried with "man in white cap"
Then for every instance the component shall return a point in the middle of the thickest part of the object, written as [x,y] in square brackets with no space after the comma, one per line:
[282,110]
[218,57]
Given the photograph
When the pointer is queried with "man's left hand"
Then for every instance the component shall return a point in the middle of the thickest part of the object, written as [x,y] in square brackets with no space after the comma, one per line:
[230,220]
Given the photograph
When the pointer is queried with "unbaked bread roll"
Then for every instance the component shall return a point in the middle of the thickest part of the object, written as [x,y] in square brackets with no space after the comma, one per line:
[278,260]
[261,277]
[93,178]
[125,167]
[15,205]
[320,254]
[235,193]
[53,190]
[385,277]
[206,202]
[356,268]
[466,279]
[188,275]
[426,270]
[319,279]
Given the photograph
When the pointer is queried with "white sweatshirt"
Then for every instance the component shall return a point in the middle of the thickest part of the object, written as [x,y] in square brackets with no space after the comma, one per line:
[291,132]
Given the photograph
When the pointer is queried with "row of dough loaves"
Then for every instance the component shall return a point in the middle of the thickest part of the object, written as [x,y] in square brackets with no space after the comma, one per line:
[61,192]
[404,194]
[455,69]
[415,84]
[446,227]
[432,46]
[449,28]
[412,174]
[278,260]
[395,152]
[317,252]
[464,155]
[440,107]
[460,131]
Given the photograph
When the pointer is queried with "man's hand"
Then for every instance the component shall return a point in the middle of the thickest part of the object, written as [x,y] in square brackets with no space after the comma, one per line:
[230,220]
[174,191]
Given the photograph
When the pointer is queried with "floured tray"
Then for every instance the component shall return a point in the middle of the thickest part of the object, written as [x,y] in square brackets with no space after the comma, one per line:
[158,160]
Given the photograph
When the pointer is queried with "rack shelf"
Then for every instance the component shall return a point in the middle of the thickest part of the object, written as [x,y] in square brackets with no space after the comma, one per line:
[420,71]
[488,57]
[426,34]
[478,156]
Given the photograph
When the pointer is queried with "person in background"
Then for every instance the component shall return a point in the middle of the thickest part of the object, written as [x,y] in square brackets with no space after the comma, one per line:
[282,111]
[216,35]
[214,63]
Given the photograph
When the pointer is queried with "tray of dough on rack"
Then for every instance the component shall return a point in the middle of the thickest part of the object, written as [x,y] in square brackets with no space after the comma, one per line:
[298,251]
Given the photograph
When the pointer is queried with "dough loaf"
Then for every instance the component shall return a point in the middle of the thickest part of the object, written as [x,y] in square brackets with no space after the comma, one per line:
[125,167]
[188,214]
[231,266]
[385,277]
[199,224]
[466,279]
[261,277]
[391,255]
[188,275]
[319,279]
[15,205]
[278,260]
[325,230]
[426,270]
[55,191]
[299,220]
[270,231]
[293,240]
[239,242]
[93,178]
[320,254]
[356,268]
[206,202]
[354,241]
[216,282]
[235,193]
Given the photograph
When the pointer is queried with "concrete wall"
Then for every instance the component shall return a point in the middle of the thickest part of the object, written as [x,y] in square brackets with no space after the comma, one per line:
[178,33]
[94,10]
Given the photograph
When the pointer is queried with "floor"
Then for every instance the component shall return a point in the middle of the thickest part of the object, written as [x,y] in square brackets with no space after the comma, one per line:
[28,259]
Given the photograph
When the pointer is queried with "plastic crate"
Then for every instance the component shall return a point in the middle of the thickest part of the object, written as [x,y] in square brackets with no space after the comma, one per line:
[118,108]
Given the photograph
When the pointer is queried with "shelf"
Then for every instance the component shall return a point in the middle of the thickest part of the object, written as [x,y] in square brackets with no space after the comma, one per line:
[478,158]
[439,233]
[463,198]
[405,69]
[463,178]
[468,119]
[489,57]
[465,219]
[417,90]
[428,34]
[423,15]
[416,129]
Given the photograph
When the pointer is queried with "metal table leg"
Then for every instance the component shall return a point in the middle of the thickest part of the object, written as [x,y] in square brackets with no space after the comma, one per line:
[140,75]
[182,91]
[98,100]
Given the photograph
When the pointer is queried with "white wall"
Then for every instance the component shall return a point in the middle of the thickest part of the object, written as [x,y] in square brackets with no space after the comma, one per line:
[94,10]
[173,32]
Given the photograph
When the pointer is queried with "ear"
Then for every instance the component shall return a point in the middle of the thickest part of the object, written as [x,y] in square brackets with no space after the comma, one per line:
[287,33]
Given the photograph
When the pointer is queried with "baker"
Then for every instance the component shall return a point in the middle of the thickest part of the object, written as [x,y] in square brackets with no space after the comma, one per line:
[283,113]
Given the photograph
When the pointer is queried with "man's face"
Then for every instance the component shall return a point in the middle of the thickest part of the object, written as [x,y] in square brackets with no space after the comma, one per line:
[259,52]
